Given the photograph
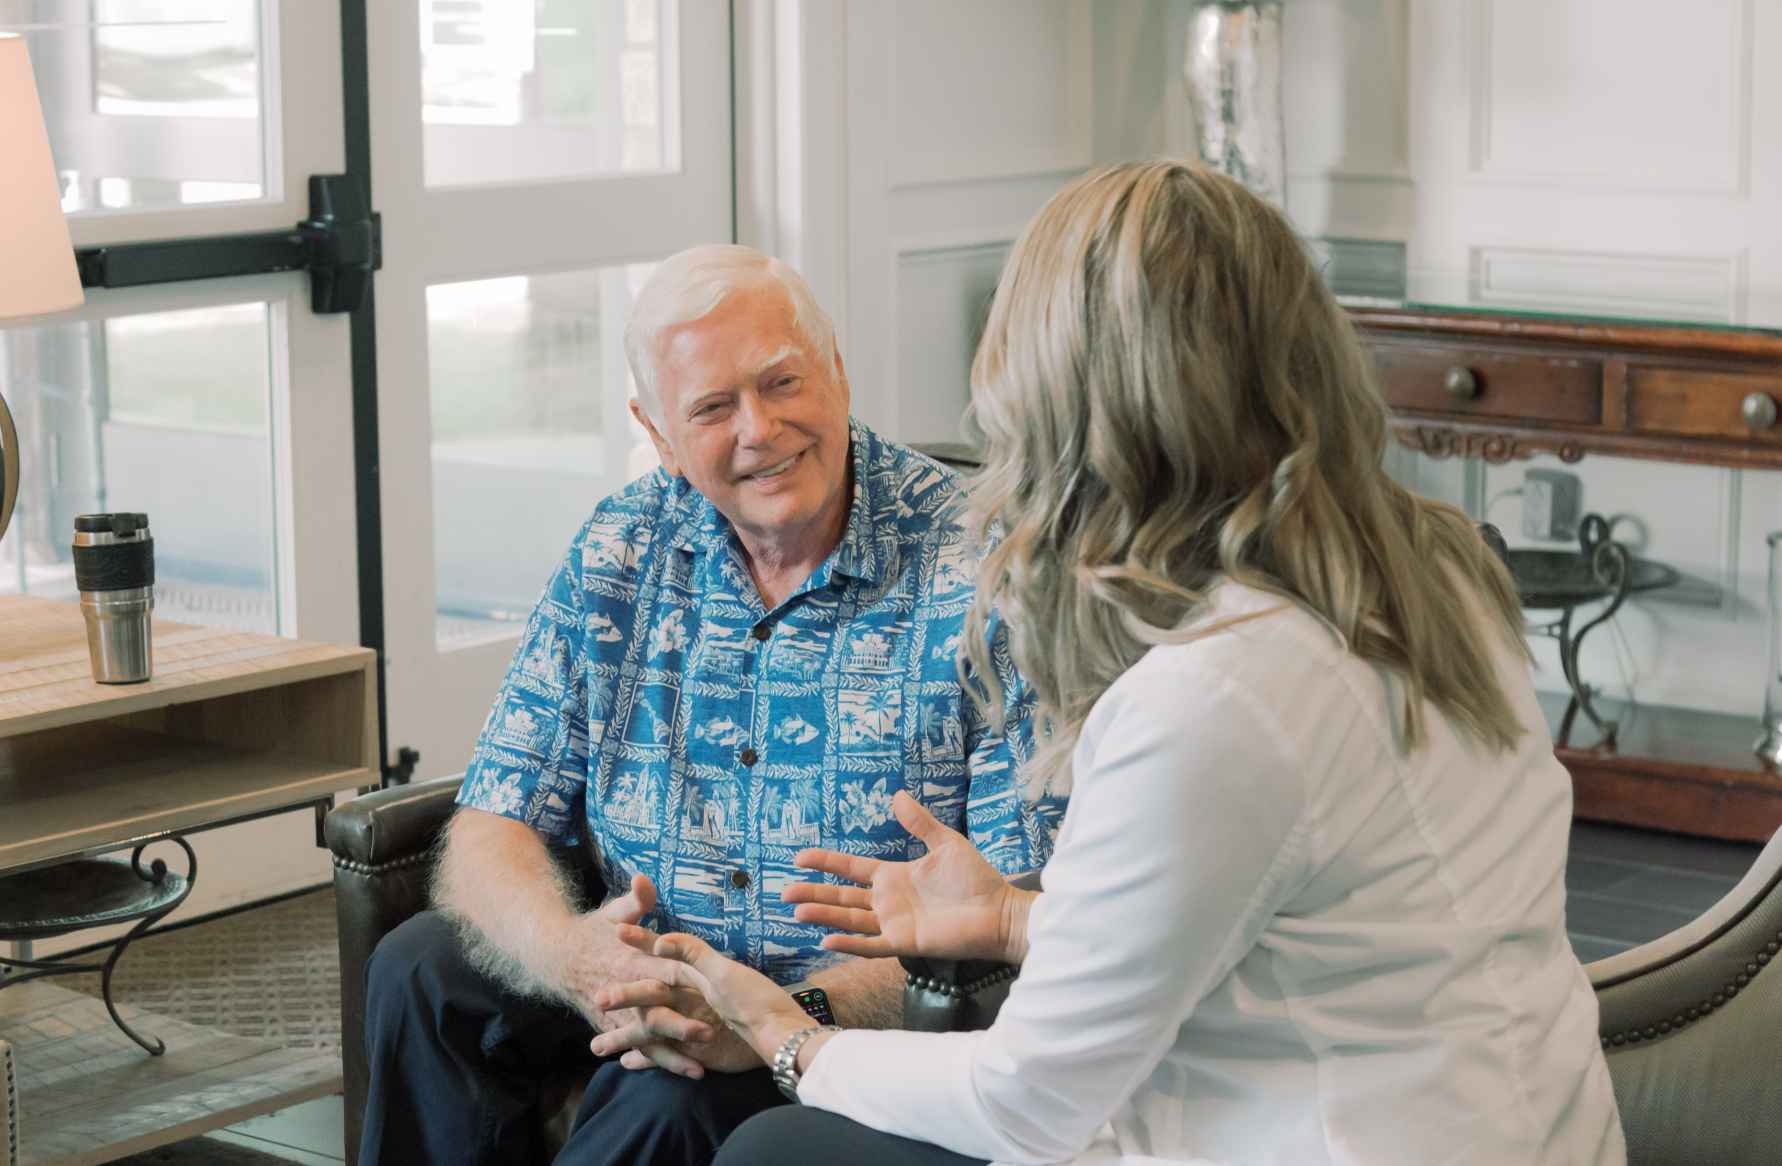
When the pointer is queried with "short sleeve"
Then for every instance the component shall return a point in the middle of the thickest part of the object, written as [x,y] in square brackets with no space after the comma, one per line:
[531,759]
[1009,828]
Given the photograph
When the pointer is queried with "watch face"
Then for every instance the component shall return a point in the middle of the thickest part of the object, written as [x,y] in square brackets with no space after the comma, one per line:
[815,1003]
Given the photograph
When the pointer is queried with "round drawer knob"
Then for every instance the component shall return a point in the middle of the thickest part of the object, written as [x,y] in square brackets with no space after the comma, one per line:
[1758,410]
[1460,382]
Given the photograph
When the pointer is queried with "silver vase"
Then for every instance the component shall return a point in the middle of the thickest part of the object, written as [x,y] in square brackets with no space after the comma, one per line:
[1233,70]
[1769,746]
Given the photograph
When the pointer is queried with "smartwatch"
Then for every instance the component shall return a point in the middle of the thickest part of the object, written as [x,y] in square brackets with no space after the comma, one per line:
[813,1000]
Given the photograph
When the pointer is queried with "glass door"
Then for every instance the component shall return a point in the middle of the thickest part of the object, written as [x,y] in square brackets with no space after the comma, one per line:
[223,407]
[533,161]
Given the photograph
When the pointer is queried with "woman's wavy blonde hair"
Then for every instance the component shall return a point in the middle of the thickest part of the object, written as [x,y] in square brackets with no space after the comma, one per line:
[1170,396]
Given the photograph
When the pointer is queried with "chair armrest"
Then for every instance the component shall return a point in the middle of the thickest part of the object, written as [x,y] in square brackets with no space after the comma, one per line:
[390,825]
[382,845]
[958,995]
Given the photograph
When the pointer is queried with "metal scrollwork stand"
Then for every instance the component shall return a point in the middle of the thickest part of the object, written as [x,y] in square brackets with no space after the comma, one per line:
[1612,567]
[1562,581]
[84,893]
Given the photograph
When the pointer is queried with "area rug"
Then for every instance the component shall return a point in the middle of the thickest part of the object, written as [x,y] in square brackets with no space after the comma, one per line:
[203,1152]
[269,972]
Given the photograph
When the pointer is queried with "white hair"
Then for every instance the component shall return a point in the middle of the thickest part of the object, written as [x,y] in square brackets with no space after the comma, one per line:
[690,284]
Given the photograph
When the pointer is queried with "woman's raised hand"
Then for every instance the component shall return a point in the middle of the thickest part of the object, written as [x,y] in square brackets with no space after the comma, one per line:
[948,904]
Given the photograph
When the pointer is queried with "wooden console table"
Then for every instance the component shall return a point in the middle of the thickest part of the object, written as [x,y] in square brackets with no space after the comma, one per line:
[233,726]
[1500,388]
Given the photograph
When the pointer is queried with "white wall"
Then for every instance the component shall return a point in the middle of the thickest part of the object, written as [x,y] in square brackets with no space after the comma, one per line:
[1610,156]
[893,151]
[1571,155]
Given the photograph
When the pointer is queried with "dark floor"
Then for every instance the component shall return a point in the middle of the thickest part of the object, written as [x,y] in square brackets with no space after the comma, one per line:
[1624,887]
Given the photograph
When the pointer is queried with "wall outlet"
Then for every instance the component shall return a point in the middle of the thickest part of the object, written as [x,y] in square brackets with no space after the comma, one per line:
[1550,504]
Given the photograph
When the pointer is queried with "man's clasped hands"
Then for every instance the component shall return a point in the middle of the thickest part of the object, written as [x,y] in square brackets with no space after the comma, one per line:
[672,1002]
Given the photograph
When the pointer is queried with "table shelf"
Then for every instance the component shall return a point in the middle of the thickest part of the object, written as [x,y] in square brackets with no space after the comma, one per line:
[59,803]
[1675,769]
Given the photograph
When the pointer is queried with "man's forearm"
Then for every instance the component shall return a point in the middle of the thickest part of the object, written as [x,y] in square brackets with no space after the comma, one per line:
[864,993]
[517,927]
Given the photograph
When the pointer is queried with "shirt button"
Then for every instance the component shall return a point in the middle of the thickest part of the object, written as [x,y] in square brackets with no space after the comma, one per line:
[749,756]
[739,879]
[762,631]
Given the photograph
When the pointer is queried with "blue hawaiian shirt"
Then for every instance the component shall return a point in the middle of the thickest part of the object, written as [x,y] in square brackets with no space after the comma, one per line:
[703,740]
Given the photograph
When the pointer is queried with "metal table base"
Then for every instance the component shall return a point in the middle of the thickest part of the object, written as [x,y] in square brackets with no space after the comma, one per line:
[85,893]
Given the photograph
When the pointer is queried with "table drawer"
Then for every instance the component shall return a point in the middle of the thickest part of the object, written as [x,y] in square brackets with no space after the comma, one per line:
[1698,403]
[1455,379]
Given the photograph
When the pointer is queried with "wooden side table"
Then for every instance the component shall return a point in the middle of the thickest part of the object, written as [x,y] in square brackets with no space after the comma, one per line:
[233,726]
[1503,387]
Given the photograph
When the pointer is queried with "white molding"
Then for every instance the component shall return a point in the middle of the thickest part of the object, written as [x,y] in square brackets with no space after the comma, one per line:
[1352,204]
[759,86]
[791,139]
[1613,282]
[1735,180]
[1075,153]
[953,280]
[941,244]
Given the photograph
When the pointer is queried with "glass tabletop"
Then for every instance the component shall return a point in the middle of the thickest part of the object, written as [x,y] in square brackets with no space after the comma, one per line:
[1655,292]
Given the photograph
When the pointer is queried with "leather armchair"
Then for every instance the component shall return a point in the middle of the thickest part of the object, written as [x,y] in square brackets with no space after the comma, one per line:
[958,995]
[383,846]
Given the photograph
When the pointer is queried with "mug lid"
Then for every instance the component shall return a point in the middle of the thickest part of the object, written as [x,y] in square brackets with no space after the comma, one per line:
[124,522]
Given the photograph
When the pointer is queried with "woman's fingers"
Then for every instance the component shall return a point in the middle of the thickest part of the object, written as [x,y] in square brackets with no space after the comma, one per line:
[915,818]
[838,918]
[633,1059]
[871,946]
[671,1059]
[636,994]
[830,893]
[651,1026]
[852,867]
[641,938]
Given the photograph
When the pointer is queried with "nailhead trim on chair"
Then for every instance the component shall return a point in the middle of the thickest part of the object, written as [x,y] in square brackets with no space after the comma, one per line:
[1683,1019]
[406,860]
[960,991]
[8,1072]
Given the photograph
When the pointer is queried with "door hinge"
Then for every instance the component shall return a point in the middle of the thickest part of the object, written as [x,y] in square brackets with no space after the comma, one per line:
[340,244]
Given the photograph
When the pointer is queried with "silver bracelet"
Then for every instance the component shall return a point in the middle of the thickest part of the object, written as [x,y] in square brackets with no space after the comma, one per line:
[785,1058]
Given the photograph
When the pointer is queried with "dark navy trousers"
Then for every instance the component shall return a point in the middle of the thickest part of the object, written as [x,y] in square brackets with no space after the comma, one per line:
[458,1064]
[796,1136]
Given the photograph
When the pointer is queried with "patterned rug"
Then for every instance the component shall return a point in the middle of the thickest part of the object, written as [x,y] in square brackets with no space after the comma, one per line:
[202,1152]
[269,972]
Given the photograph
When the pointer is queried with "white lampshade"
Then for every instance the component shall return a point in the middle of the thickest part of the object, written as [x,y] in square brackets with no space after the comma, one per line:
[37,272]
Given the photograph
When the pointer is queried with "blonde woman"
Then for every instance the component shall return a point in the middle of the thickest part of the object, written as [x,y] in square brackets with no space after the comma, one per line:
[1307,904]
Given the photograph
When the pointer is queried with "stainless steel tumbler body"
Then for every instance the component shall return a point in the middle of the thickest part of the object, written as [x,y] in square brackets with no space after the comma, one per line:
[114,566]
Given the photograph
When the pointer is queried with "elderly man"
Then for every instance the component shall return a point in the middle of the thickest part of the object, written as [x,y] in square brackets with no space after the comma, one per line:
[744,653]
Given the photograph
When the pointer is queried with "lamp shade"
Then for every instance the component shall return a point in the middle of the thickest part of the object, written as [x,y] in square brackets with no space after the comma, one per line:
[37,272]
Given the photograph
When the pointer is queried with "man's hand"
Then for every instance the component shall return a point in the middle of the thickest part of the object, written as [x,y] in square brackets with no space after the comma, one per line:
[949,904]
[601,958]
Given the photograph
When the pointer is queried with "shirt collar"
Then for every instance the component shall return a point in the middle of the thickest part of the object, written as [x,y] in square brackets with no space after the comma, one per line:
[858,556]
